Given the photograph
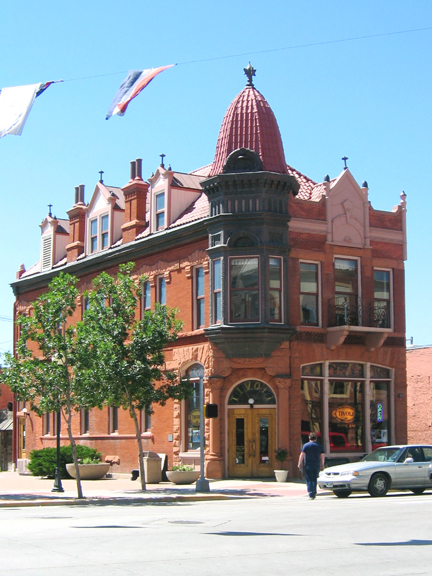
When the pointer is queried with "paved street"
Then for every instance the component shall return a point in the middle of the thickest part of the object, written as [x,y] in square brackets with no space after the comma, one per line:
[262,535]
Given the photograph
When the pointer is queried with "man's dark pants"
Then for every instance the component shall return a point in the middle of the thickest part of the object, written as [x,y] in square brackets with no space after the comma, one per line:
[312,473]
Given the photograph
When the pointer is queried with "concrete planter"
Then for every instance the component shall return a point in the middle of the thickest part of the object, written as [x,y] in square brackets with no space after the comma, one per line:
[179,477]
[89,471]
[281,475]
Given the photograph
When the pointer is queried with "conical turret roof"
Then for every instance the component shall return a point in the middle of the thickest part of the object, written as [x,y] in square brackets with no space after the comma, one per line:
[250,123]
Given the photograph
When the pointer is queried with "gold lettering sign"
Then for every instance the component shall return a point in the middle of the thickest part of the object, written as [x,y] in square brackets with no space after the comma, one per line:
[344,413]
[194,417]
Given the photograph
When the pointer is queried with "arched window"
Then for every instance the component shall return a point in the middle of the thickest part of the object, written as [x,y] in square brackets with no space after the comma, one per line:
[249,390]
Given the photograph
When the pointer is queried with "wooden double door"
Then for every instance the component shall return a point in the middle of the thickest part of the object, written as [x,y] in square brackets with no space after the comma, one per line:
[251,442]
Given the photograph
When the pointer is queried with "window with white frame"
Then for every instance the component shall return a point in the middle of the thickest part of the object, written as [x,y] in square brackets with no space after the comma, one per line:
[309,293]
[199,297]
[347,306]
[382,298]
[99,233]
[217,291]
[160,211]
[275,288]
[244,289]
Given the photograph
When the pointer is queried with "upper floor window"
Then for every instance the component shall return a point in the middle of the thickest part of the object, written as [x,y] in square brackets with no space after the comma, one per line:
[99,233]
[244,289]
[382,299]
[146,296]
[84,421]
[199,297]
[145,421]
[160,211]
[347,308]
[309,293]
[217,291]
[161,291]
[275,289]
[113,419]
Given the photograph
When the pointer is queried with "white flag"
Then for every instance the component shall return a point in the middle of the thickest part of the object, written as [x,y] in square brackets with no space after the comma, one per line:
[15,105]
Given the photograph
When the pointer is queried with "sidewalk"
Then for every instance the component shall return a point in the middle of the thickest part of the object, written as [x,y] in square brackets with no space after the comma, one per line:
[17,491]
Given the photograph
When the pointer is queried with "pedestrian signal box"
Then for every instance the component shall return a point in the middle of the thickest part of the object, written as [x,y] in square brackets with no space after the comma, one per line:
[211,410]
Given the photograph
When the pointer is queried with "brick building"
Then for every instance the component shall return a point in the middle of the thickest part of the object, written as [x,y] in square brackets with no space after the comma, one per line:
[419,394]
[291,293]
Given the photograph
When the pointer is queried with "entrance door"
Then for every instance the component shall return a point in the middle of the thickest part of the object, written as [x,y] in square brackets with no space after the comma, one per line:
[251,442]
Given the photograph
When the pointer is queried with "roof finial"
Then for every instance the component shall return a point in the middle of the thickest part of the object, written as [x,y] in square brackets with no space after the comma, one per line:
[162,160]
[49,210]
[101,174]
[345,158]
[250,73]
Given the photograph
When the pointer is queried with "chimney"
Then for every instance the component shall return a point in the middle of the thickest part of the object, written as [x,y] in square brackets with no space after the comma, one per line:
[76,225]
[135,195]
[20,272]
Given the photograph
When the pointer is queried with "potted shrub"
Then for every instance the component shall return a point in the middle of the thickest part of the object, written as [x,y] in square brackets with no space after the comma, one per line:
[183,474]
[91,468]
[281,455]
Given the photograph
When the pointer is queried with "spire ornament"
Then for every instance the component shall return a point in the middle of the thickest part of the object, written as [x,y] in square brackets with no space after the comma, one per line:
[250,73]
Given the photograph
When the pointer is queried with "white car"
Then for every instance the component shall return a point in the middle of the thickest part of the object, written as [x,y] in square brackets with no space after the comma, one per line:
[406,467]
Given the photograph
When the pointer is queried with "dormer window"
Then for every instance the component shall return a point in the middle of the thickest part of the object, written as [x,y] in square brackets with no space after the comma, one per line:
[160,211]
[99,233]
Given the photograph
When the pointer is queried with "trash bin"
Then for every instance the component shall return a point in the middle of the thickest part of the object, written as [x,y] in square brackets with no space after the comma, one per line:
[152,468]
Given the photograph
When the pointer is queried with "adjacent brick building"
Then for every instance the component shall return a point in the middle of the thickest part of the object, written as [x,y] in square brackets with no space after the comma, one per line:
[419,394]
[291,293]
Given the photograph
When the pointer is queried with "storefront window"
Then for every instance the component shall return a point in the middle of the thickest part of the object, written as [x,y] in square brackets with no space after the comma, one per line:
[193,408]
[346,416]
[338,389]
[311,408]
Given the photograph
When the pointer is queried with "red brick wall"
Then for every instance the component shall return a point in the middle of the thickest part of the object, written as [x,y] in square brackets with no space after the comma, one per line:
[419,393]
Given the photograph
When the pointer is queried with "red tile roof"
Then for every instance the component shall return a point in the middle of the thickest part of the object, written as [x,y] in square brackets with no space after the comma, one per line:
[250,123]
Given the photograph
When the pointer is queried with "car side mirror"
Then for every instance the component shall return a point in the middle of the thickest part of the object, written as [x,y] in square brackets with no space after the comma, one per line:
[408,460]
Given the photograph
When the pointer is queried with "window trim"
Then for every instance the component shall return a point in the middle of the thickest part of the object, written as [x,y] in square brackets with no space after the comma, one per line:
[280,290]
[99,235]
[198,298]
[391,295]
[217,292]
[249,257]
[318,293]
[161,211]
[159,280]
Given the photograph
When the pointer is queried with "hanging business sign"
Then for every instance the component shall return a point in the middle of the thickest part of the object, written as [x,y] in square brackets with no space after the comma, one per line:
[344,414]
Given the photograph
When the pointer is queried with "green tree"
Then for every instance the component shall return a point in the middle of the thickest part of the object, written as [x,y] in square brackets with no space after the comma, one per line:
[53,368]
[130,351]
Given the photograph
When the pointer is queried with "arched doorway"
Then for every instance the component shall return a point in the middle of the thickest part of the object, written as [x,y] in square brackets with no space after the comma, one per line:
[251,430]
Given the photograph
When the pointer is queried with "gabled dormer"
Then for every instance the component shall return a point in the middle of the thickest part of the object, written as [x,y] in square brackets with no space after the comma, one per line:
[54,238]
[347,211]
[171,193]
[104,218]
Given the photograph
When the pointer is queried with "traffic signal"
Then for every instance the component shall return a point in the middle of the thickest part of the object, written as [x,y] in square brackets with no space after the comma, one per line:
[211,410]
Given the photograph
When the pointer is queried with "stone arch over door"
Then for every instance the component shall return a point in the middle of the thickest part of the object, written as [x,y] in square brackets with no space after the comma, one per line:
[251,439]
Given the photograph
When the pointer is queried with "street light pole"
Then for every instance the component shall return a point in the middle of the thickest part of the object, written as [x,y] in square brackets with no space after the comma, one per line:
[57,476]
[202,484]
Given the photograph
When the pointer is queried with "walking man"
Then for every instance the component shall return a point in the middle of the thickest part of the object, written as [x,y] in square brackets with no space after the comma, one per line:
[313,454]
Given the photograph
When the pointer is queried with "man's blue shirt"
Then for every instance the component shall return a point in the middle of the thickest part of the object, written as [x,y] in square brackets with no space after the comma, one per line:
[313,452]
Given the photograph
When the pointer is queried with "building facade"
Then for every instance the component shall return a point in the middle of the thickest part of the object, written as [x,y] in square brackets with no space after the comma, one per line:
[291,293]
[419,394]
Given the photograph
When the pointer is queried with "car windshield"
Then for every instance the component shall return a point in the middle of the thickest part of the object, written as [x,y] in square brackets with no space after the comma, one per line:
[383,455]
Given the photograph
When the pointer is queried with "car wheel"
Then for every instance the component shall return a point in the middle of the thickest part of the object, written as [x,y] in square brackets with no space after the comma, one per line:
[342,493]
[418,491]
[378,485]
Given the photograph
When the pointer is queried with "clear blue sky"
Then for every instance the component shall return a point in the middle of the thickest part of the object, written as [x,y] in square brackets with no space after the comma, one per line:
[368,99]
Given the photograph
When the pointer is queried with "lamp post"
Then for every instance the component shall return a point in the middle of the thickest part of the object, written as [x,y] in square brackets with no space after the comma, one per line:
[57,476]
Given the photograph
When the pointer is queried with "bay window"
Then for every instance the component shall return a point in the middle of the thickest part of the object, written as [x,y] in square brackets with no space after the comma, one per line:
[275,289]
[244,289]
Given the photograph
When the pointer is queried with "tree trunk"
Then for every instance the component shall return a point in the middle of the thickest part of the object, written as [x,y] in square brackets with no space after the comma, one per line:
[140,447]
[74,454]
